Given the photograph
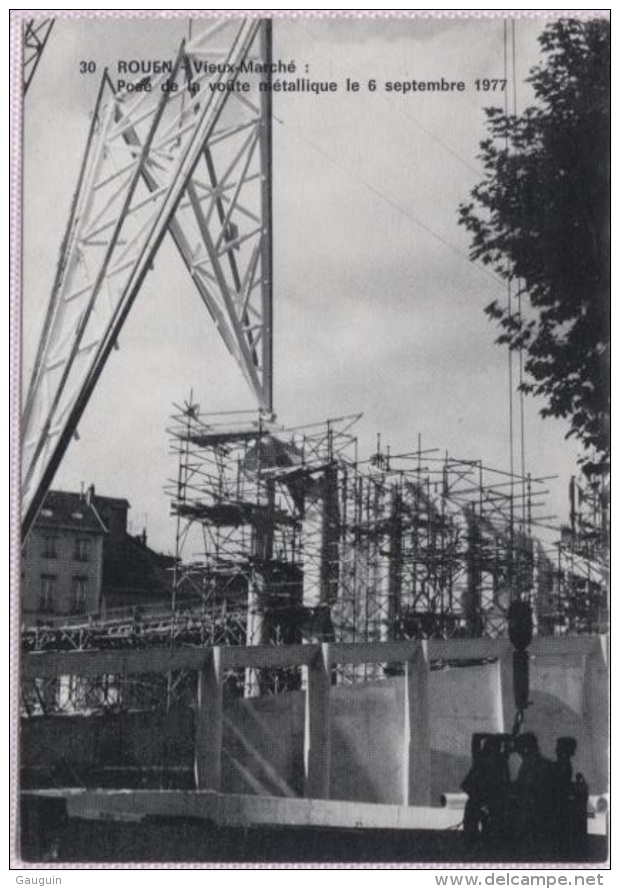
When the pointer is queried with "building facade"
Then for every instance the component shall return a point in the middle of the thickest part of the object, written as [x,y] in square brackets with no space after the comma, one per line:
[80,559]
[62,559]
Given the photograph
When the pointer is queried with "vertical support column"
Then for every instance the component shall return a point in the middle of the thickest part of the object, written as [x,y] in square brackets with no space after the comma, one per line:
[208,724]
[259,598]
[506,692]
[330,538]
[597,712]
[317,728]
[266,116]
[395,564]
[417,735]
[255,627]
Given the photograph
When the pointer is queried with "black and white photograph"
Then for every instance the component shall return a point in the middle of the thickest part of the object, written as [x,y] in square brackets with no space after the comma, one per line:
[311,406]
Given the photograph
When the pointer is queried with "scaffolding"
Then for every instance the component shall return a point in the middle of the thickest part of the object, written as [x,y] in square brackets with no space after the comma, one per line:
[574,598]
[284,536]
[291,528]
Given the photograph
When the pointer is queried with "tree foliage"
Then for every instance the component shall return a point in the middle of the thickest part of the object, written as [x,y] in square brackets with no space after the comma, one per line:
[540,218]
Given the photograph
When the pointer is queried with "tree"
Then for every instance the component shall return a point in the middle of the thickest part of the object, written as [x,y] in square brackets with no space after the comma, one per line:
[540,218]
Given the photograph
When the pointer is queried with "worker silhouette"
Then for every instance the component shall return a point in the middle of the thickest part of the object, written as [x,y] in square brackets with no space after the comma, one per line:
[542,813]
[565,749]
[486,786]
[570,801]
[533,793]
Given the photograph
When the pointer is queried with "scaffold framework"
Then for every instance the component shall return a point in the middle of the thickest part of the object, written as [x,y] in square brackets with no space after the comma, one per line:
[315,543]
[284,536]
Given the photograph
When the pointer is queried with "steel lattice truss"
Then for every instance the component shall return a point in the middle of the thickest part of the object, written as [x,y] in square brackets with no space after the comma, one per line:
[187,152]
[36,34]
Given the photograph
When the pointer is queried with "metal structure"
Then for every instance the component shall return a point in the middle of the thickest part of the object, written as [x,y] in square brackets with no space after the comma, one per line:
[187,152]
[289,525]
[577,581]
[36,35]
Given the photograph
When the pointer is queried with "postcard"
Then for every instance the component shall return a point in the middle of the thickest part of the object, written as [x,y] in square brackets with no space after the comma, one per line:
[311,559]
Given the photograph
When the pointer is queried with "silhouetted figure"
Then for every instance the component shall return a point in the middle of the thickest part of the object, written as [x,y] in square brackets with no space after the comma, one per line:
[533,793]
[570,802]
[486,786]
[565,749]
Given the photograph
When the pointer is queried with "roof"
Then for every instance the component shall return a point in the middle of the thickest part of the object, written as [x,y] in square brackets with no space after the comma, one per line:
[112,501]
[130,565]
[62,509]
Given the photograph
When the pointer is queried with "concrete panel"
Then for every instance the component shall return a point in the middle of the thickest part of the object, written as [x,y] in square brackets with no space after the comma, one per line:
[595,758]
[367,742]
[568,696]
[563,677]
[464,700]
[263,745]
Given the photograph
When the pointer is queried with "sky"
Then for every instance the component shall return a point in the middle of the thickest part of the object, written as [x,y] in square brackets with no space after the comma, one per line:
[377,307]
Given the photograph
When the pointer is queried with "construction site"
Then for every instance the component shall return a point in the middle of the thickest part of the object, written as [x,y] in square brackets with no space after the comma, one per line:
[321,566]
[286,536]
[313,542]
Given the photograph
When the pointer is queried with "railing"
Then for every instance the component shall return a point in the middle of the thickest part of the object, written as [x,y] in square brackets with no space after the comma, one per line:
[121,615]
[220,626]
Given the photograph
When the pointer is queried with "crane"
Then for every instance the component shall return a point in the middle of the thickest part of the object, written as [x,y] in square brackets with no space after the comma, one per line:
[36,35]
[185,153]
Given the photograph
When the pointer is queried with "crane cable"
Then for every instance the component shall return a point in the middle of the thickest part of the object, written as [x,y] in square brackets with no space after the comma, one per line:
[520,620]
[519,308]
[509,300]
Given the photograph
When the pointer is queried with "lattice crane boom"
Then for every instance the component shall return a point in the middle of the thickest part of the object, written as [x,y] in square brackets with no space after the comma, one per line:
[187,153]
[36,34]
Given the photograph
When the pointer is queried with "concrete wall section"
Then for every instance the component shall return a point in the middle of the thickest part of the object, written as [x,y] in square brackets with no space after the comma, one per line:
[263,738]
[262,750]
[367,742]
[568,697]
[594,760]
[464,700]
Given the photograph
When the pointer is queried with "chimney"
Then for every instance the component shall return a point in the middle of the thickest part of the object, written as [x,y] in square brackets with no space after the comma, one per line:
[90,493]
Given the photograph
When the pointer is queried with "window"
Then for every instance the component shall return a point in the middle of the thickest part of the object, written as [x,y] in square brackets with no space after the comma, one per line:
[79,595]
[81,550]
[50,546]
[47,595]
